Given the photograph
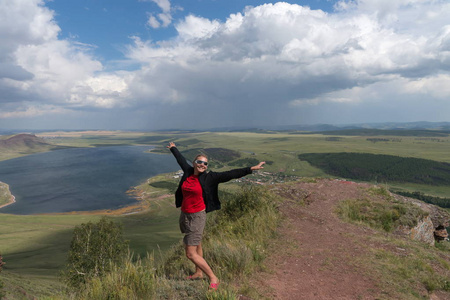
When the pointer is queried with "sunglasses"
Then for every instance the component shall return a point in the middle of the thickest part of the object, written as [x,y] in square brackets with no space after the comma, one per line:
[199,162]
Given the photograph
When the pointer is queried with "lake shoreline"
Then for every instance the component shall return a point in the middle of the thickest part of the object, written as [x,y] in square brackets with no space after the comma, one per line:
[142,205]
[4,188]
[11,201]
[80,180]
[144,202]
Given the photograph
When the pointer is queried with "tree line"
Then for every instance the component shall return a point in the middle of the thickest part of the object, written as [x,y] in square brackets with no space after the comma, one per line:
[381,168]
[442,202]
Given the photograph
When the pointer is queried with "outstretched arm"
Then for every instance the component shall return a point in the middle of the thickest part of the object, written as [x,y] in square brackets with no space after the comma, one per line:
[236,173]
[258,166]
[179,157]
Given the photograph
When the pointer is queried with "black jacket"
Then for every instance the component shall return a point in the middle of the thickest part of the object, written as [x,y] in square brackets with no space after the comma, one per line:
[208,180]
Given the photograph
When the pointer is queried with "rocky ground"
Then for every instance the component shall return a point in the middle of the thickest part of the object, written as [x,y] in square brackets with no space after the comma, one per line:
[318,256]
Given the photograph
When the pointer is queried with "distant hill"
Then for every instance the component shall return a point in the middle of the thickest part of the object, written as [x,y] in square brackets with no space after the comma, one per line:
[326,128]
[21,141]
[23,144]
[383,132]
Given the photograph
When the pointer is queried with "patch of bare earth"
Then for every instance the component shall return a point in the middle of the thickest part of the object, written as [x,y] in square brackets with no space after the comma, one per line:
[318,256]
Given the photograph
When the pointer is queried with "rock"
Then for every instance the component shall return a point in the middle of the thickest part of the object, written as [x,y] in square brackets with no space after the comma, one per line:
[441,234]
[431,228]
[423,231]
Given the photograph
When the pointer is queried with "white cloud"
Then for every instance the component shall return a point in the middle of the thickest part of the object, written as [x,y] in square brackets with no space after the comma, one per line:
[37,66]
[287,54]
[32,111]
[277,63]
[437,86]
[163,19]
[196,28]
[153,22]
[103,91]
[166,19]
[163,4]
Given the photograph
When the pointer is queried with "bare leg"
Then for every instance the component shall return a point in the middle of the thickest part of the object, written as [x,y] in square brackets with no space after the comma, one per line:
[198,272]
[199,262]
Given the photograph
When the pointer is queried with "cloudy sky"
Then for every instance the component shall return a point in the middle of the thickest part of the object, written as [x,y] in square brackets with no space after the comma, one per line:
[195,64]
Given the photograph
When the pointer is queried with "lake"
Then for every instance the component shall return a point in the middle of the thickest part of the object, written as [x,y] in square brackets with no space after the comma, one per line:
[80,179]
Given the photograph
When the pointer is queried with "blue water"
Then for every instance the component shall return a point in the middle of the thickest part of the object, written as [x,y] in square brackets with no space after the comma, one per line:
[79,179]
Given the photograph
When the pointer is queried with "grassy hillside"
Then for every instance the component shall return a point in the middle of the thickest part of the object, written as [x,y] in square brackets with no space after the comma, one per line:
[237,237]
[23,144]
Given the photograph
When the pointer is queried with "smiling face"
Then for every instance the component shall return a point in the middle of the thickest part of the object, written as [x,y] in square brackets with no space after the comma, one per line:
[199,164]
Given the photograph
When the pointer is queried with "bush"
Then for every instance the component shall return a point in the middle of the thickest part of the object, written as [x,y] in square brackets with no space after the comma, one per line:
[132,280]
[250,198]
[382,214]
[94,249]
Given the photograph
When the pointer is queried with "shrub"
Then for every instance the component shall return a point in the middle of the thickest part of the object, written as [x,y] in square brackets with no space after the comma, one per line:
[132,280]
[94,249]
[248,199]
[381,214]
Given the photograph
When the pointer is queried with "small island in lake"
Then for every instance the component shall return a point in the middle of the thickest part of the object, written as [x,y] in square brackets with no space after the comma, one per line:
[6,198]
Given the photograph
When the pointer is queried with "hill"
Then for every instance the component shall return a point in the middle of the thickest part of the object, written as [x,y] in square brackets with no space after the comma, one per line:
[356,128]
[318,255]
[22,141]
[23,144]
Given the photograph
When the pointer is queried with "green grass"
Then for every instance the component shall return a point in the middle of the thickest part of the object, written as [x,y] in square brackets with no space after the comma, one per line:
[407,269]
[382,212]
[403,268]
[234,246]
[35,247]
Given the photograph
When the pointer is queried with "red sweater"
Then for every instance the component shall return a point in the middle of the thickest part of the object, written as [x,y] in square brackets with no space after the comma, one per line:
[192,195]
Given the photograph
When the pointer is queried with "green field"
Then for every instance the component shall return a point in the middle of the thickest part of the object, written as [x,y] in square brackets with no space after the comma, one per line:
[34,247]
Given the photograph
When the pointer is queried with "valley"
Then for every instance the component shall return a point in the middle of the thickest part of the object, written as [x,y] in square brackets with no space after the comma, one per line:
[35,246]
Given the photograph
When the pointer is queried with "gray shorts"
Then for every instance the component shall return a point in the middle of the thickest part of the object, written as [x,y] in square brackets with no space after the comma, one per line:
[192,225]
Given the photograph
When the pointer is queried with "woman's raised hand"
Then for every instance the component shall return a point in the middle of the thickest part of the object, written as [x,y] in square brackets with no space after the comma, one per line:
[171,144]
[258,166]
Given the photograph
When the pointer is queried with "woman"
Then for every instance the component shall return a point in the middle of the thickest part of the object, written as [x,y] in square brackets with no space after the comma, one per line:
[197,194]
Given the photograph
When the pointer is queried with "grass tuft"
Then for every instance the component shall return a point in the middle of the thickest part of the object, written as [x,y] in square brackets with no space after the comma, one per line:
[381,212]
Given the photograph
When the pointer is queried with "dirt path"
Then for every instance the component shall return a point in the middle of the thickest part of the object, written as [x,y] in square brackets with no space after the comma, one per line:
[317,257]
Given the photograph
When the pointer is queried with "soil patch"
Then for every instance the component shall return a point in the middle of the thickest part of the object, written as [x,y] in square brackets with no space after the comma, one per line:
[318,256]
